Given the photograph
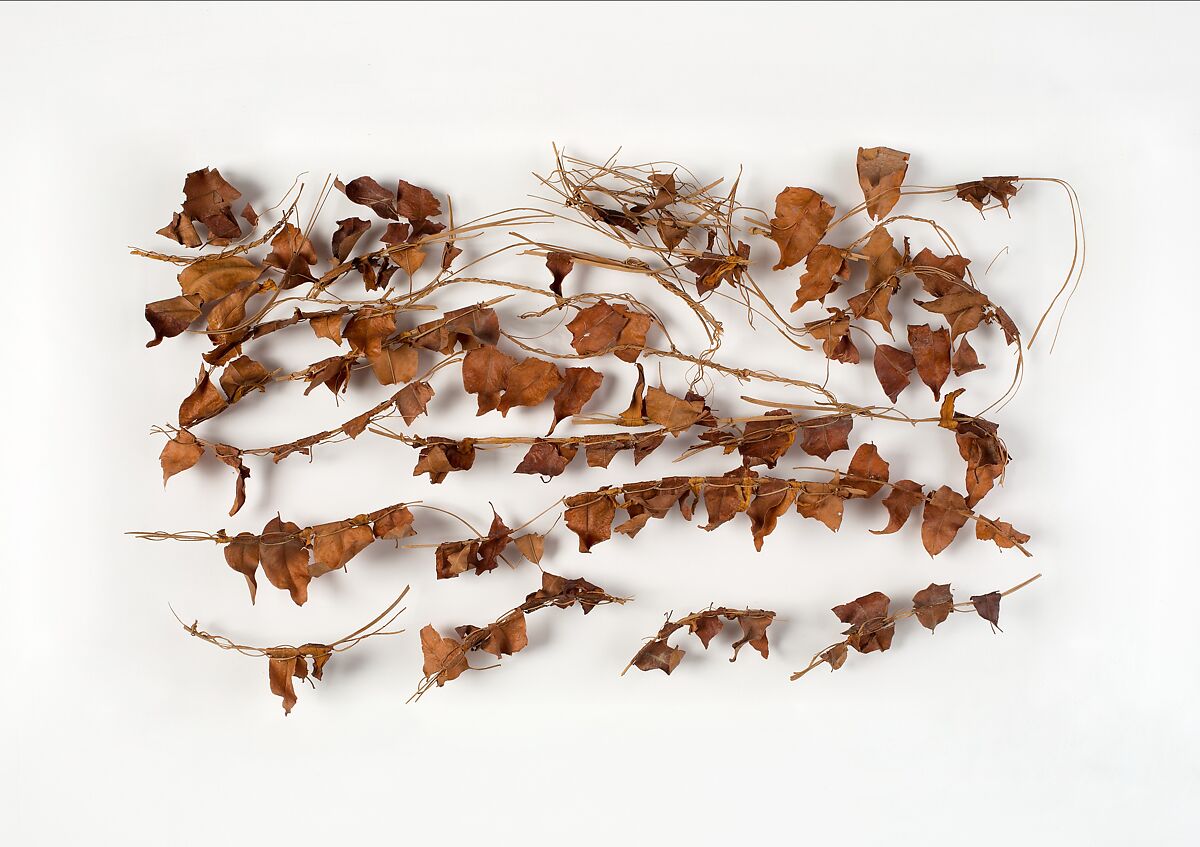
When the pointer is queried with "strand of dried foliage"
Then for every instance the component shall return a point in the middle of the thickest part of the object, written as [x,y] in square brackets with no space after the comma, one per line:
[687,237]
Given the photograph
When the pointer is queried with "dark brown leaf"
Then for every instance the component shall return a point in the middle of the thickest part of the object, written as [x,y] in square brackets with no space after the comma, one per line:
[931,351]
[881,172]
[933,605]
[801,218]
[945,514]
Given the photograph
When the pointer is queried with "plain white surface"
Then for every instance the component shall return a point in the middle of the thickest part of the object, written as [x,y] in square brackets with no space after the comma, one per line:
[1075,726]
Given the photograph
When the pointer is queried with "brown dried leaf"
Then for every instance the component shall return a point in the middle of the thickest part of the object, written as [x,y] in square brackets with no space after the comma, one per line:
[931,352]
[367,192]
[171,317]
[905,496]
[203,403]
[241,376]
[590,516]
[933,605]
[546,458]
[181,231]
[559,264]
[825,268]
[209,199]
[284,558]
[444,657]
[945,514]
[335,544]
[772,498]
[658,655]
[1002,532]
[346,236]
[394,524]
[801,217]
[416,203]
[988,607]
[531,546]
[179,453]
[412,400]
[965,359]
[754,632]
[395,365]
[881,172]
[578,387]
[669,411]
[823,436]
[892,368]
[241,554]
[529,383]
[485,374]
[213,278]
[867,470]
[870,629]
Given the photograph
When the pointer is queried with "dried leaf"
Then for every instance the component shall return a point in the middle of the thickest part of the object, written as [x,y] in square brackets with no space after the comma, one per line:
[988,607]
[931,352]
[945,514]
[933,605]
[241,554]
[823,436]
[905,496]
[208,200]
[658,655]
[367,192]
[335,544]
[559,264]
[179,453]
[590,517]
[284,558]
[485,374]
[181,231]
[213,278]
[346,236]
[801,218]
[531,546]
[171,317]
[868,470]
[545,458]
[203,403]
[824,270]
[881,172]
[416,203]
[870,628]
[395,523]
[578,386]
[529,383]
[892,368]
[444,657]
[412,400]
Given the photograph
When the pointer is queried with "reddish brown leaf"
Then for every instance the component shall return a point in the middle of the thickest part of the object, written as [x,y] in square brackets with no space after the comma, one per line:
[335,544]
[590,517]
[208,200]
[965,360]
[281,671]
[825,268]
[346,236]
[933,605]
[204,402]
[904,496]
[181,231]
[870,629]
[772,498]
[367,192]
[754,632]
[171,317]
[213,278]
[823,436]
[395,365]
[868,470]
[945,514]
[241,554]
[1002,532]
[545,458]
[444,457]
[822,502]
[444,657]
[559,265]
[284,558]
[412,400]
[416,203]
[484,373]
[578,387]
[931,351]
[881,172]
[988,607]
[394,524]
[658,655]
[528,384]
[892,368]
[179,453]
[241,376]
[801,217]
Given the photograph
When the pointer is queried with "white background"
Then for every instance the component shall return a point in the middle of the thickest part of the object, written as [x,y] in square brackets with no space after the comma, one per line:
[1076,725]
